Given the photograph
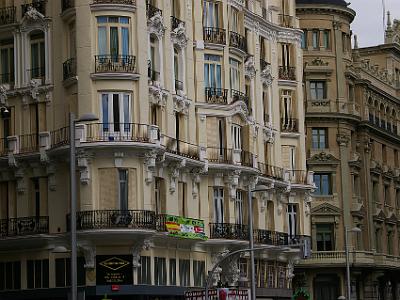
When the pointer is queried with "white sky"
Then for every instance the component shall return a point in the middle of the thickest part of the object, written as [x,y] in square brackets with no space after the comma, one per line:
[368,24]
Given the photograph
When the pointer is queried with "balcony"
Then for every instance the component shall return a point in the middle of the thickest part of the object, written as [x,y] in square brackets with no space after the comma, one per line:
[237,41]
[247,159]
[7,78]
[120,132]
[28,143]
[39,5]
[271,171]
[214,35]
[24,226]
[286,21]
[115,63]
[229,231]
[126,2]
[329,106]
[220,155]
[7,15]
[175,22]
[151,10]
[289,125]
[287,73]
[267,237]
[67,4]
[69,68]
[59,137]
[216,95]
[114,219]
[181,148]
[239,96]
[37,73]
[298,176]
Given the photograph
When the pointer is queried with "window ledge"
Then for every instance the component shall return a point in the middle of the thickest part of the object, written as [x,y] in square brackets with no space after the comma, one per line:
[115,76]
[287,82]
[113,7]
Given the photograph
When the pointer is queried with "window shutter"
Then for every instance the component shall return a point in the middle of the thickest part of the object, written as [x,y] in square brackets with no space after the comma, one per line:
[108,181]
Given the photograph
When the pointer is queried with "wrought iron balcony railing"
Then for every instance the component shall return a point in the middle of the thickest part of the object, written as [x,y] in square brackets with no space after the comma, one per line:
[289,125]
[28,143]
[7,15]
[119,132]
[175,22]
[214,35]
[59,137]
[268,237]
[216,95]
[220,155]
[67,4]
[115,63]
[237,41]
[239,96]
[229,231]
[151,10]
[69,68]
[287,73]
[114,219]
[181,148]
[24,226]
[39,5]
[271,171]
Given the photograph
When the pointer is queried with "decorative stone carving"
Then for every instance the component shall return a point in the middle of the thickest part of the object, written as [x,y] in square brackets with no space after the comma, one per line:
[34,89]
[3,95]
[343,139]
[232,182]
[89,253]
[249,67]
[196,178]
[84,159]
[269,135]
[318,62]
[266,75]
[150,164]
[156,25]
[181,104]
[307,202]
[32,14]
[326,209]
[174,174]
[144,244]
[266,196]
[178,36]
[157,95]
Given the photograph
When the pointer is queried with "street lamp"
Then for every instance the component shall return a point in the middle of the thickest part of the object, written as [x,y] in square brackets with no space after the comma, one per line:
[72,165]
[346,245]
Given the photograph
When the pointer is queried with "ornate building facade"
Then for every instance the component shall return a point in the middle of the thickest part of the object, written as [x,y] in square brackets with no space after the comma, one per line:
[352,118]
[197,101]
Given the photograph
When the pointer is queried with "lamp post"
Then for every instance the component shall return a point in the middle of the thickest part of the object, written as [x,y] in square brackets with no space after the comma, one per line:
[346,245]
[72,167]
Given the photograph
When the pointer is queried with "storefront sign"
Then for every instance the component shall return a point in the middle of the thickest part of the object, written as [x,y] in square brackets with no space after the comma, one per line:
[185,227]
[114,269]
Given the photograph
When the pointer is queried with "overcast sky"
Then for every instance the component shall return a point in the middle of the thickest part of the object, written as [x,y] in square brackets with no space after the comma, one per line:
[368,24]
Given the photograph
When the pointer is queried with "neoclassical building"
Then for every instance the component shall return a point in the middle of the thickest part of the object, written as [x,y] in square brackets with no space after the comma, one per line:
[352,125]
[196,102]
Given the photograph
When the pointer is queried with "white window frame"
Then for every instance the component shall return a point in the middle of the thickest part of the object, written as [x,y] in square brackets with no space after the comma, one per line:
[234,74]
[292,219]
[211,14]
[218,205]
[236,137]
[124,126]
[215,61]
[239,214]
[108,25]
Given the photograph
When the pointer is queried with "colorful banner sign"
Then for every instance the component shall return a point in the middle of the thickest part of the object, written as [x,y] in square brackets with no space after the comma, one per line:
[185,227]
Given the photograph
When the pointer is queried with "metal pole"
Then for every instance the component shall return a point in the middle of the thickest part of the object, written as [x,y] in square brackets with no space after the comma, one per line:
[74,284]
[347,264]
[251,245]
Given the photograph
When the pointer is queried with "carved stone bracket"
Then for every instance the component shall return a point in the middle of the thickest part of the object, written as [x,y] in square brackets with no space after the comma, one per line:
[178,36]
[343,139]
[249,68]
[266,75]
[150,164]
[175,169]
[3,95]
[84,159]
[232,182]
[156,25]
[196,178]
[181,104]
[283,197]
[34,89]
[144,244]
[157,95]
[266,196]
[269,135]
[89,252]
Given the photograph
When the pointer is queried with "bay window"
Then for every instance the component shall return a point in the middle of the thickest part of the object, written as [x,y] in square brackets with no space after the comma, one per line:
[212,71]
[116,112]
[113,36]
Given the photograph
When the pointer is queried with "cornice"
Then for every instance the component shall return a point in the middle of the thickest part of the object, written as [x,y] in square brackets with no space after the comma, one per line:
[320,9]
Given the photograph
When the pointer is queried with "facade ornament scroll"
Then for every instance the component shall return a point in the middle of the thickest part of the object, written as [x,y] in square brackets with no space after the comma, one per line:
[343,139]
[269,134]
[3,95]
[249,68]
[307,202]
[84,159]
[266,75]
[181,104]
[150,164]
[89,252]
[178,36]
[175,169]
[196,178]
[157,95]
[283,195]
[34,89]
[156,25]
[232,181]
[137,249]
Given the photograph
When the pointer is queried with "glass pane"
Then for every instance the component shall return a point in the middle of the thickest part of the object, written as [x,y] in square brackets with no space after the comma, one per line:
[116,116]
[102,40]
[206,76]
[114,47]
[105,112]
[125,41]
[218,77]
[126,109]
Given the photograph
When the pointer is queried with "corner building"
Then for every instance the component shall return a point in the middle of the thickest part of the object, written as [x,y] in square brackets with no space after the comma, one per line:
[196,101]
[352,126]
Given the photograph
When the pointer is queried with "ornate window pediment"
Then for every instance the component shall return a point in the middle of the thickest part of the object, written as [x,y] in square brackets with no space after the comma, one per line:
[326,209]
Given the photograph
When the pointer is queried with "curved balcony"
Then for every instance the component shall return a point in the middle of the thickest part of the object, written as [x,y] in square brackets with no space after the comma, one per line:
[181,148]
[220,155]
[216,95]
[237,41]
[214,35]
[268,237]
[287,73]
[24,226]
[7,15]
[229,231]
[239,96]
[115,63]
[271,171]
[59,137]
[114,219]
[289,125]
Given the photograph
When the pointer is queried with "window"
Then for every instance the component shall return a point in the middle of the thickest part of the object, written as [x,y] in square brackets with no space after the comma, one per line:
[113,36]
[38,54]
[10,275]
[326,39]
[172,271]
[7,61]
[221,135]
[37,273]
[154,59]
[375,191]
[63,271]
[212,71]
[239,208]
[158,184]
[319,138]
[304,39]
[218,205]
[144,271]
[285,55]
[116,112]
[237,137]
[184,272]
[292,220]
[234,71]
[323,184]
[315,39]
[324,237]
[234,20]
[211,14]
[318,90]
[390,242]
[160,271]
[177,67]
[123,189]
[386,195]
[199,270]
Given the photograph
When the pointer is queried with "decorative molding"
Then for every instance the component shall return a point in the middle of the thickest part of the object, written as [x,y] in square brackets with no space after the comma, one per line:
[84,159]
[89,253]
[175,169]
[144,244]
[266,75]
[318,62]
[326,209]
[323,158]
[150,164]
[157,94]
[178,36]
[3,95]
[232,182]
[156,25]
[343,139]
[249,68]
[181,103]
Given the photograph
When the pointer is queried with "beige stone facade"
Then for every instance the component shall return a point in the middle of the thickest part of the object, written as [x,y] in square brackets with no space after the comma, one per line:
[196,101]
[352,126]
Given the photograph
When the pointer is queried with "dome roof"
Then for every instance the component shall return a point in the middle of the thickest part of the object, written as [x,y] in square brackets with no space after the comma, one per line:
[331,2]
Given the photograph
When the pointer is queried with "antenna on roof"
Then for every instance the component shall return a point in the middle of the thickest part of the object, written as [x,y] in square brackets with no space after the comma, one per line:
[384,15]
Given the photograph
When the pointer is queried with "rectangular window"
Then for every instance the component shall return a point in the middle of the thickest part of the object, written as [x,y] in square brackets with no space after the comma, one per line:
[10,275]
[172,271]
[6,62]
[113,36]
[315,39]
[386,195]
[326,41]
[63,272]
[323,184]
[292,220]
[123,189]
[234,72]
[211,14]
[237,137]
[38,54]
[144,271]
[116,113]
[199,268]
[182,198]
[212,71]
[218,205]
[285,48]
[324,237]
[234,20]
[160,271]
[37,274]
[184,272]
[304,39]
[318,90]
[239,208]
[319,138]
